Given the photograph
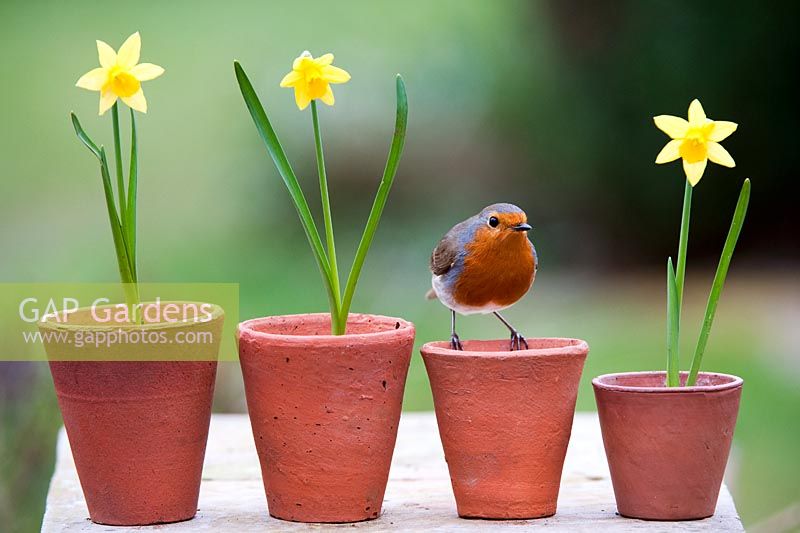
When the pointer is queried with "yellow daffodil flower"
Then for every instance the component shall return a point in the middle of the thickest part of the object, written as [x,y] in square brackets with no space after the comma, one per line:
[120,75]
[695,141]
[311,79]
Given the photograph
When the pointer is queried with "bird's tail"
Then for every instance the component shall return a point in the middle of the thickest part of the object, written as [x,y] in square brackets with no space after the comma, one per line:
[431,295]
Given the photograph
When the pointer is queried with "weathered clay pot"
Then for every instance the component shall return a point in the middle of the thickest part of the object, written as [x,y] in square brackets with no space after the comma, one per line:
[667,446]
[137,429]
[324,411]
[505,420]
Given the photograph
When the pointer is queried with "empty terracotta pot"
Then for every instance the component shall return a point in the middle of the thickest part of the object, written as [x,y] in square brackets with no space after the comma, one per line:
[137,429]
[505,420]
[667,446]
[324,411]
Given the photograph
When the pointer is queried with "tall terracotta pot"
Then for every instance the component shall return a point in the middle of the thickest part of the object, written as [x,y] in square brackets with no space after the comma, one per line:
[137,429]
[667,446]
[505,420]
[324,411]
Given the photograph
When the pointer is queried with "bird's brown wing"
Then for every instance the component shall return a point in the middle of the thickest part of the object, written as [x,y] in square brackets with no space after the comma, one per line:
[444,255]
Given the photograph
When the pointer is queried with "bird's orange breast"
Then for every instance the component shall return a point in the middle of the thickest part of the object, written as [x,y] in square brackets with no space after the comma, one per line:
[497,271]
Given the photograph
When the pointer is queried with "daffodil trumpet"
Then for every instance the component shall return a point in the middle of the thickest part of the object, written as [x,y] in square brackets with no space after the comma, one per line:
[696,141]
[117,79]
[311,79]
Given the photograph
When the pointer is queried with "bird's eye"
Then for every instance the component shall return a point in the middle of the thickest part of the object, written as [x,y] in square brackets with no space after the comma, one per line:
[493,222]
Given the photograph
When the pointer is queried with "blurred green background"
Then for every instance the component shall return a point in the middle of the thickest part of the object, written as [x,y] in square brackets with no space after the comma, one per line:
[544,104]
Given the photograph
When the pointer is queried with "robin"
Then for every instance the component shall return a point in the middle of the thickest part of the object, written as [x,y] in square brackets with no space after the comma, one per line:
[483,265]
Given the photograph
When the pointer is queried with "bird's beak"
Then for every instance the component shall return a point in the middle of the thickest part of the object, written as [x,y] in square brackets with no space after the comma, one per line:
[522,227]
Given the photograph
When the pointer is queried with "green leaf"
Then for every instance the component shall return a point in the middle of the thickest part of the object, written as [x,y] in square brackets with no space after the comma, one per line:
[719,279]
[395,151]
[673,363]
[289,179]
[123,260]
[85,138]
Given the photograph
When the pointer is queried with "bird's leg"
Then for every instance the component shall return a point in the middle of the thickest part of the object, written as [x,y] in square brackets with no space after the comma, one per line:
[455,342]
[517,340]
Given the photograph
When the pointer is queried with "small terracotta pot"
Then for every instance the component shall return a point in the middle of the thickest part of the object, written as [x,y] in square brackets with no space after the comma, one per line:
[667,446]
[324,411]
[505,420]
[137,429]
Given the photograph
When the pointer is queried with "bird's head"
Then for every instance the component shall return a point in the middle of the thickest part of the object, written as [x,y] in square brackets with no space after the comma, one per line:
[503,221]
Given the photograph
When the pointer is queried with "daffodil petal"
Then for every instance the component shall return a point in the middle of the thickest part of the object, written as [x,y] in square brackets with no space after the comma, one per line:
[333,74]
[697,116]
[675,127]
[128,54]
[298,62]
[328,96]
[722,129]
[290,79]
[670,152]
[719,155]
[136,101]
[301,98]
[107,99]
[694,171]
[325,59]
[106,54]
[146,71]
[93,80]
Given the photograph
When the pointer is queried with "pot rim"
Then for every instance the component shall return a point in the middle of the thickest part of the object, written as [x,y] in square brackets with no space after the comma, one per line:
[597,383]
[47,321]
[247,328]
[578,347]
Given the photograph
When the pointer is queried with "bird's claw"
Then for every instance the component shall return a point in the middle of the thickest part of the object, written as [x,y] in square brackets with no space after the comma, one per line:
[455,343]
[518,341]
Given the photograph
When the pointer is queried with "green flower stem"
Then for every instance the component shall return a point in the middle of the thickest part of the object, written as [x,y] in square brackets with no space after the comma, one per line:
[680,267]
[673,317]
[130,286]
[123,260]
[675,303]
[338,323]
[118,158]
[396,150]
[719,279]
[133,184]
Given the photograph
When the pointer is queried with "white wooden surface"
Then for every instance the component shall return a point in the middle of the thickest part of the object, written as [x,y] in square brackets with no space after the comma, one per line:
[418,497]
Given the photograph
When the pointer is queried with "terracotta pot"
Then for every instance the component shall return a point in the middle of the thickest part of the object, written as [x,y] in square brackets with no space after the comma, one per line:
[667,446]
[505,420]
[137,429]
[324,411]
